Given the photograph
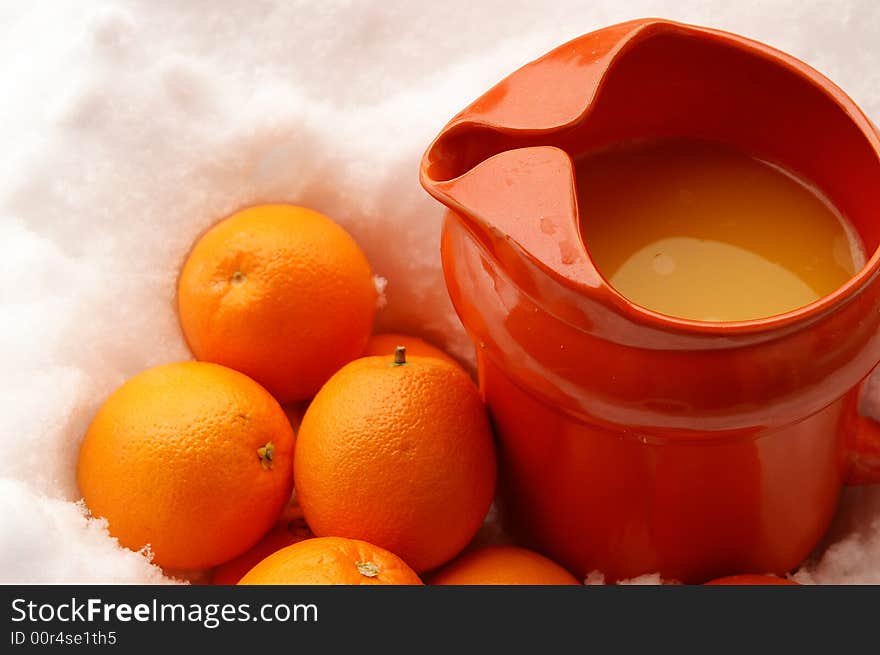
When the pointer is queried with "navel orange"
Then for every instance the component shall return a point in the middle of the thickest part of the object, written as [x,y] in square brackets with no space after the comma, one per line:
[278,292]
[191,459]
[286,532]
[331,561]
[503,565]
[398,452]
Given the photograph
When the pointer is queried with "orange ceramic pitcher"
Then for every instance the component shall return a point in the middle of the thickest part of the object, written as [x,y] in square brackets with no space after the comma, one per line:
[633,442]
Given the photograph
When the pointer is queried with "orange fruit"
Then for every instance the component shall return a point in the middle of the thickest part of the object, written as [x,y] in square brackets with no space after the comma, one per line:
[280,293]
[399,454]
[384,344]
[285,533]
[191,458]
[331,561]
[503,565]
[751,579]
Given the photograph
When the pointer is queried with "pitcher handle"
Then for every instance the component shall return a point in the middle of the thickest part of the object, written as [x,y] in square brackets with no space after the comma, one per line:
[862,448]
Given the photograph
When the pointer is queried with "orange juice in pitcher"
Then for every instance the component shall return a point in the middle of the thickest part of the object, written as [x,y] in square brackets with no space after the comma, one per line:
[703,231]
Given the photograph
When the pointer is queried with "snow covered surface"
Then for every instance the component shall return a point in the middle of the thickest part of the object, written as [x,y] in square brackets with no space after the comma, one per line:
[130,127]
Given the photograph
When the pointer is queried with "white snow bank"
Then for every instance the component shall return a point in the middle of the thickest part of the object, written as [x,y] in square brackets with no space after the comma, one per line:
[851,553]
[130,127]
[48,541]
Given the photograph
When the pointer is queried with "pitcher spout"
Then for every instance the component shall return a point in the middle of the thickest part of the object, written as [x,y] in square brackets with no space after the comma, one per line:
[521,205]
[504,169]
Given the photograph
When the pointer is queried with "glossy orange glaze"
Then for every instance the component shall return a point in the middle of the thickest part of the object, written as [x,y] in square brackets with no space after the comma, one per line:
[752,579]
[633,442]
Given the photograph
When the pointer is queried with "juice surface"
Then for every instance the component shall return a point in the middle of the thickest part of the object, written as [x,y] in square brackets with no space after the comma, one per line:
[702,231]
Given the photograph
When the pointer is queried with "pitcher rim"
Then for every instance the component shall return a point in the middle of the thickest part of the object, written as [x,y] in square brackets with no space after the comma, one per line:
[633,311]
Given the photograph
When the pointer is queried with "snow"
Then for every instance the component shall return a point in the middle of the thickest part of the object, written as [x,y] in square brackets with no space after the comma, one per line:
[130,127]
[45,540]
